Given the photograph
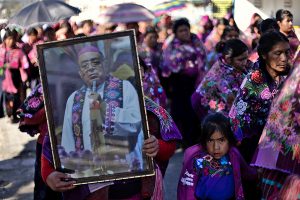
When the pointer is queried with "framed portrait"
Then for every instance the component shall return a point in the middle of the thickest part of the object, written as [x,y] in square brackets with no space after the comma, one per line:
[95,107]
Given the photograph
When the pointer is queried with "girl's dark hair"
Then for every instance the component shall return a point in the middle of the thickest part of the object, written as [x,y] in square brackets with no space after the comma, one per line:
[269,24]
[32,31]
[49,34]
[10,33]
[267,41]
[180,22]
[231,48]
[216,122]
[281,14]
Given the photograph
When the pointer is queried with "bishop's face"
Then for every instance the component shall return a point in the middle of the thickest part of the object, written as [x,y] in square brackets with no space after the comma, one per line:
[91,68]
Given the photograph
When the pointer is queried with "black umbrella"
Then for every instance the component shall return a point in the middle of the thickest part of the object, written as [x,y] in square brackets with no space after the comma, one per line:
[43,12]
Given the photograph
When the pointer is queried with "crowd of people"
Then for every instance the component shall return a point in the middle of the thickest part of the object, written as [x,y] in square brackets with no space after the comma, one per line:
[233,99]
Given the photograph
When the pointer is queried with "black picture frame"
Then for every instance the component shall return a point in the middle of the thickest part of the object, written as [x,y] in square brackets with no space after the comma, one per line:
[58,64]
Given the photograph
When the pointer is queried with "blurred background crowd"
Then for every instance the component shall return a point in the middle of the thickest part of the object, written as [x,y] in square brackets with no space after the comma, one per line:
[199,53]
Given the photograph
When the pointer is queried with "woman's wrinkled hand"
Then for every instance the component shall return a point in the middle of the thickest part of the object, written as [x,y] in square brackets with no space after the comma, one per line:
[151,146]
[57,182]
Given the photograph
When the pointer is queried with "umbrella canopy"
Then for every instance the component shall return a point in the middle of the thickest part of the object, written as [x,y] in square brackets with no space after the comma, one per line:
[126,12]
[43,12]
[166,7]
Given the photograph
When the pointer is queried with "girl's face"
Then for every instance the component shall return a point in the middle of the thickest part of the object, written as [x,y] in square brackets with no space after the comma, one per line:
[9,42]
[220,28]
[217,146]
[278,58]
[238,62]
[286,25]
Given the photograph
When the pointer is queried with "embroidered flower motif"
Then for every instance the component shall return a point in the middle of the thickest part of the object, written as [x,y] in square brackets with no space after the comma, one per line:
[34,102]
[247,118]
[232,112]
[212,104]
[199,163]
[221,106]
[208,158]
[266,94]
[256,76]
[274,116]
[241,106]
[288,131]
[27,115]
[224,161]
[285,105]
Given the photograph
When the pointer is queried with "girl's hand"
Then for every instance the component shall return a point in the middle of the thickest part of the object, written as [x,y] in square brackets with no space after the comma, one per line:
[151,146]
[56,182]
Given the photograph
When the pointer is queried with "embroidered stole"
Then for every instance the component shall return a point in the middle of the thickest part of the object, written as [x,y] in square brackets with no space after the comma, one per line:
[112,96]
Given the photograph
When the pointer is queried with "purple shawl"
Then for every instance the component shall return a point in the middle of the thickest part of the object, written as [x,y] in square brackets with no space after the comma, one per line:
[168,128]
[186,58]
[153,88]
[279,146]
[218,89]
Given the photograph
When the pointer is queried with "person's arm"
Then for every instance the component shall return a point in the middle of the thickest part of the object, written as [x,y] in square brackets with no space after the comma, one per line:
[151,146]
[188,176]
[38,118]
[166,150]
[53,178]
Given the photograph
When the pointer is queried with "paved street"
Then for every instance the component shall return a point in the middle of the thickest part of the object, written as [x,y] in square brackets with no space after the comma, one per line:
[17,155]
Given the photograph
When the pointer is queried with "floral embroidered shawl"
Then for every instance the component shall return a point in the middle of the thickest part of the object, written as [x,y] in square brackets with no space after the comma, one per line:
[279,146]
[153,88]
[168,128]
[189,59]
[251,107]
[218,89]
[151,56]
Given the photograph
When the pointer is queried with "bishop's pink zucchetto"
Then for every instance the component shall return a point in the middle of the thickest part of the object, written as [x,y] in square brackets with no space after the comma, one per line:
[90,48]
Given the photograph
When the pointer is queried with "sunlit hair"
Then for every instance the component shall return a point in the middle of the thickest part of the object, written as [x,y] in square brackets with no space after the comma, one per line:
[231,48]
[268,41]
[281,14]
[291,188]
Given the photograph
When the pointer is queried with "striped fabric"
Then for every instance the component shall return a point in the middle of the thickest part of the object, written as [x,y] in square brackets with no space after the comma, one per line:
[167,7]
[271,183]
